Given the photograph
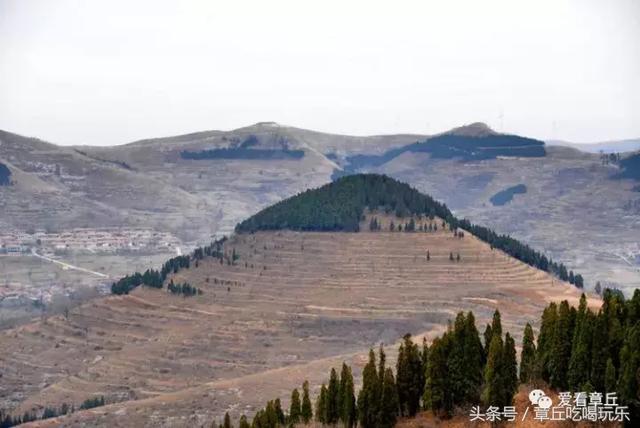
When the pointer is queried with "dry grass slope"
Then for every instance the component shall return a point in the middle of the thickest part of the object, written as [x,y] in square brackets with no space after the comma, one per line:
[293,305]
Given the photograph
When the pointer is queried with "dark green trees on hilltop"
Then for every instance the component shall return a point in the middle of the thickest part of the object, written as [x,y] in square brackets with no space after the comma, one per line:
[340,206]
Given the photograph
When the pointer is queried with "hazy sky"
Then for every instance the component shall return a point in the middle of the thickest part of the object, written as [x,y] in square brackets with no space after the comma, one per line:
[109,72]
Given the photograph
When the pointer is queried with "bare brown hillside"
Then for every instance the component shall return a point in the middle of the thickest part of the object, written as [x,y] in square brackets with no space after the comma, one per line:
[292,306]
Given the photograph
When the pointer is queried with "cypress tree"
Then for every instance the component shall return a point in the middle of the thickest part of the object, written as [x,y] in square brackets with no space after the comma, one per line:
[493,393]
[527,356]
[613,307]
[488,334]
[332,399]
[580,362]
[545,341]
[496,324]
[510,370]
[321,405]
[437,393]
[306,408]
[243,422]
[269,417]
[610,377]
[347,397]
[424,355]
[277,407]
[389,401]
[227,421]
[473,360]
[599,352]
[457,371]
[294,408]
[368,398]
[381,368]
[628,386]
[633,309]
[410,377]
[561,348]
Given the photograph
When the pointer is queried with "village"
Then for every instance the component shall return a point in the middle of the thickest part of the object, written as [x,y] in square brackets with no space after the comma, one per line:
[49,271]
[102,240]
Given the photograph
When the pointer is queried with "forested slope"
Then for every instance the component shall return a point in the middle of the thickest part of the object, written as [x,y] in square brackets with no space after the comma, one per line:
[339,206]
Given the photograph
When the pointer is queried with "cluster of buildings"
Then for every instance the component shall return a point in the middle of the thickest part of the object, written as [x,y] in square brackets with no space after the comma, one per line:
[87,239]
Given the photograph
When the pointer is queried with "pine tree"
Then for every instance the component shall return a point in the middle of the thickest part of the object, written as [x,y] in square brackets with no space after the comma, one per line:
[473,360]
[332,399]
[613,307]
[424,355]
[306,408]
[243,422]
[610,377]
[580,361]
[510,370]
[277,407]
[227,421]
[487,336]
[599,352]
[527,355]
[561,348]
[410,377]
[389,401]
[496,324]
[321,405]
[381,368]
[437,393]
[493,392]
[347,397]
[598,288]
[294,408]
[628,386]
[545,341]
[369,397]
[456,361]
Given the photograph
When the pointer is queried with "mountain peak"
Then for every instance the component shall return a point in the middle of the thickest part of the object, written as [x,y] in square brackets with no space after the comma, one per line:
[476,129]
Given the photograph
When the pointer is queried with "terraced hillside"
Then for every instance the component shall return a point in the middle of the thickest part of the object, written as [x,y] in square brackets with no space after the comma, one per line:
[293,305]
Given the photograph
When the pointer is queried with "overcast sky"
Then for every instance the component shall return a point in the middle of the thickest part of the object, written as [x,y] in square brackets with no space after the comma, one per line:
[110,72]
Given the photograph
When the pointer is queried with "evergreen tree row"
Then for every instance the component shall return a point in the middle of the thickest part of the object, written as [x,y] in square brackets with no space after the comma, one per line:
[155,279]
[185,289]
[48,412]
[582,350]
[576,350]
[150,278]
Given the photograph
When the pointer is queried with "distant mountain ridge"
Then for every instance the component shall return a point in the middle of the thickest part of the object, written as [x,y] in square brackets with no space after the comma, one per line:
[149,183]
[621,146]
[476,141]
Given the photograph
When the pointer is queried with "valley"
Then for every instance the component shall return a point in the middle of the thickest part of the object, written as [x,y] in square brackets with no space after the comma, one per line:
[240,341]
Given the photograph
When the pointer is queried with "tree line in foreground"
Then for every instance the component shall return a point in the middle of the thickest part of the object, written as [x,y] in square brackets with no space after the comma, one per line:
[576,350]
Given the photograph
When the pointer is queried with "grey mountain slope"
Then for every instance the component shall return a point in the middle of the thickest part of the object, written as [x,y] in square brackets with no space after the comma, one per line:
[572,209]
[619,146]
